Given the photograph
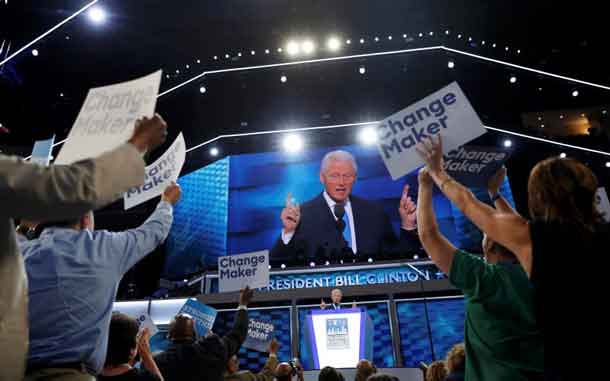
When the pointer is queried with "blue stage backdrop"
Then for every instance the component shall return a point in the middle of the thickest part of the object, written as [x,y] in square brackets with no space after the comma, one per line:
[233,205]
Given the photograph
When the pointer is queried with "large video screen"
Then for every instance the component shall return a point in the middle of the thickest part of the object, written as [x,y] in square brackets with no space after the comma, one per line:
[233,205]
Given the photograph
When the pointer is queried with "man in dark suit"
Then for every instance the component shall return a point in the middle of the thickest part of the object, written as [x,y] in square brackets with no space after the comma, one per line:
[205,359]
[337,225]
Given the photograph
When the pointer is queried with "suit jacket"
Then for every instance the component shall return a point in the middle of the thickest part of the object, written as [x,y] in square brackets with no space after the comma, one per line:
[60,192]
[205,359]
[317,234]
[267,374]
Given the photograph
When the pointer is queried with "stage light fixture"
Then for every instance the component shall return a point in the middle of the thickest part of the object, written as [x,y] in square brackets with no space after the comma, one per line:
[368,136]
[348,41]
[562,155]
[362,40]
[283,266]
[214,151]
[97,15]
[513,79]
[361,70]
[312,264]
[308,47]
[608,164]
[370,260]
[202,89]
[575,93]
[450,64]
[292,48]
[283,79]
[508,143]
[292,143]
[333,44]
[35,52]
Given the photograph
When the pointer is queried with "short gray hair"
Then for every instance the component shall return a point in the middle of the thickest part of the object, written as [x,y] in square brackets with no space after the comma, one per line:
[338,155]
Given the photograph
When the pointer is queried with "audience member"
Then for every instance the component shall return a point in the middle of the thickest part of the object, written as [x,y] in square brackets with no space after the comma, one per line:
[36,192]
[364,369]
[382,377]
[329,373]
[502,339]
[234,374]
[123,347]
[437,371]
[288,371]
[563,221]
[189,358]
[456,363]
[74,272]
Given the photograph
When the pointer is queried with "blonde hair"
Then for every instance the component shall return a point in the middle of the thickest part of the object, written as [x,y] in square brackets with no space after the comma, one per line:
[456,358]
[437,371]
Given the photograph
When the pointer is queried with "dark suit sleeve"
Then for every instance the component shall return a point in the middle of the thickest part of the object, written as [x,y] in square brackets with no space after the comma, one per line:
[403,247]
[236,336]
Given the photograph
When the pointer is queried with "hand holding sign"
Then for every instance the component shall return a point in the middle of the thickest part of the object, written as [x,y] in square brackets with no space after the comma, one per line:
[149,133]
[424,179]
[431,152]
[407,210]
[495,182]
[245,296]
[172,193]
[291,215]
[274,347]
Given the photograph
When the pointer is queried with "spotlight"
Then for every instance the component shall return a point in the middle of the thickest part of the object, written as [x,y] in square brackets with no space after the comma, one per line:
[198,61]
[450,64]
[562,155]
[292,143]
[508,143]
[421,34]
[279,50]
[542,125]
[518,51]
[368,136]
[493,46]
[483,42]
[252,52]
[202,89]
[362,40]
[431,33]
[177,71]
[608,164]
[561,116]
[540,89]
[214,151]
[227,56]
[348,41]
[575,93]
[390,38]
[326,263]
[292,48]
[97,15]
[376,39]
[447,32]
[283,266]
[604,112]
[539,118]
[239,54]
[459,36]
[166,75]
[35,52]
[215,57]
[312,264]
[362,70]
[404,36]
[415,256]
[370,260]
[341,261]
[506,48]
[283,79]
[187,66]
[266,51]
[469,39]
[269,267]
[513,79]
[333,44]
[308,46]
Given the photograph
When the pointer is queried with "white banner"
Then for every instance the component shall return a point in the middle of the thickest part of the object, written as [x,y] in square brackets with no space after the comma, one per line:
[159,174]
[446,112]
[602,203]
[107,118]
[238,271]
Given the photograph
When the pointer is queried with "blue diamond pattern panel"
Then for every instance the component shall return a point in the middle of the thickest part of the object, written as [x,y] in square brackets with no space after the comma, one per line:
[199,231]
[250,359]
[383,356]
[446,323]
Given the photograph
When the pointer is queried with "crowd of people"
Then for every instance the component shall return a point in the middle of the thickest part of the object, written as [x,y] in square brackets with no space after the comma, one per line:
[57,291]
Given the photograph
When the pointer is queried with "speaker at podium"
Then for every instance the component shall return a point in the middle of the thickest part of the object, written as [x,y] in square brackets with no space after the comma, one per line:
[337,338]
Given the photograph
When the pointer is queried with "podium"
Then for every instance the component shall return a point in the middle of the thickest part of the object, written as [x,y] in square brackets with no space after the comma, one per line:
[337,338]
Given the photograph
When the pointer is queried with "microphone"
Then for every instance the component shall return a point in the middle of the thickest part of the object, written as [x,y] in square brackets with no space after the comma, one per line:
[339,211]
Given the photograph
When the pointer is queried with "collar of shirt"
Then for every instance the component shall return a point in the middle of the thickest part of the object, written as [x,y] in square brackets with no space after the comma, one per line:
[331,204]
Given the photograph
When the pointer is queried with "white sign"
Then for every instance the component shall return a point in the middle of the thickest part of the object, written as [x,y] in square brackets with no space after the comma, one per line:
[602,203]
[446,112]
[107,118]
[41,153]
[238,271]
[144,321]
[159,174]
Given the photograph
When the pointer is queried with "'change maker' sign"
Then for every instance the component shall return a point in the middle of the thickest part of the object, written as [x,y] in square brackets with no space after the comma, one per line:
[238,271]
[446,112]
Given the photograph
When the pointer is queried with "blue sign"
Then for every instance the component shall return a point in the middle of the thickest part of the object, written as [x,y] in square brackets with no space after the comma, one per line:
[398,273]
[473,166]
[260,334]
[203,315]
[41,153]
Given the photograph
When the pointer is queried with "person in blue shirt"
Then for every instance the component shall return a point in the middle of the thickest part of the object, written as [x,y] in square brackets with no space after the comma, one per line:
[73,274]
